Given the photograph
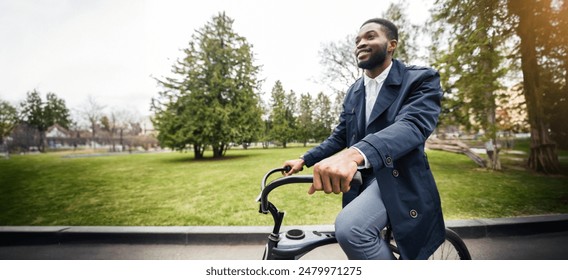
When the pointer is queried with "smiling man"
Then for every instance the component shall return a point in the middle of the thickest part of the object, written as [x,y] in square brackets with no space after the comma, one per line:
[387,116]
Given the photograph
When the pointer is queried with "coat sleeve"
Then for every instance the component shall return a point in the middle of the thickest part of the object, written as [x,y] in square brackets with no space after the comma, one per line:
[413,124]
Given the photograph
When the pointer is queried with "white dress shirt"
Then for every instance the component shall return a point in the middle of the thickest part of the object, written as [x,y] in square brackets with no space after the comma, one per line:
[372,89]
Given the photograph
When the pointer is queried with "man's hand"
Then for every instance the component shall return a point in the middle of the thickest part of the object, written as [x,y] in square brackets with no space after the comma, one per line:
[334,174]
[296,165]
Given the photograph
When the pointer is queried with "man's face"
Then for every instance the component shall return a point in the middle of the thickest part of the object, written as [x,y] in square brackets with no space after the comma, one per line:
[371,45]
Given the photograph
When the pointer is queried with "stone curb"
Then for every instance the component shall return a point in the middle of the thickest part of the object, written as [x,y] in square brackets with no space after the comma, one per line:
[233,235]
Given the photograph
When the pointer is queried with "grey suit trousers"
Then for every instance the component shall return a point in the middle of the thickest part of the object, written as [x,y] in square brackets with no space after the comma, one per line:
[358,226]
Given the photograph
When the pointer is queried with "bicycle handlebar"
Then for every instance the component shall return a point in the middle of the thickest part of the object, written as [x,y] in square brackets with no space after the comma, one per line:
[296,179]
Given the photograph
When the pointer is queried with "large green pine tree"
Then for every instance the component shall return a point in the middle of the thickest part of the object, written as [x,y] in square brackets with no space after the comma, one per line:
[323,117]
[43,114]
[282,119]
[213,99]
[305,120]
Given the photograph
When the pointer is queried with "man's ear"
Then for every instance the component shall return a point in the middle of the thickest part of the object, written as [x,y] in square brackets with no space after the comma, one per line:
[392,46]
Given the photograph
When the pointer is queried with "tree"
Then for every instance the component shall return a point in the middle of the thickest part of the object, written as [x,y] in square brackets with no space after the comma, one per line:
[93,112]
[8,120]
[339,65]
[323,117]
[407,48]
[305,120]
[471,66]
[530,14]
[212,99]
[282,119]
[41,115]
[552,39]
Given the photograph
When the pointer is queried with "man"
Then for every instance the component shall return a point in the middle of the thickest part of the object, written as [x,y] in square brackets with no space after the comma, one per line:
[387,116]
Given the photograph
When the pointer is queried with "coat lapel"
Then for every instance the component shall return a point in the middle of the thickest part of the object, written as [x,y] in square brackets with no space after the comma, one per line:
[359,108]
[388,92]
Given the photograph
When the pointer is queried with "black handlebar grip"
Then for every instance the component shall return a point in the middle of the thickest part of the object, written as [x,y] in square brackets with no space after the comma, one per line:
[287,169]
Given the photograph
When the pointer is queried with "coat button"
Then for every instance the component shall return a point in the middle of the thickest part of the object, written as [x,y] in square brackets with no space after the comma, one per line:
[395,173]
[413,214]
[389,160]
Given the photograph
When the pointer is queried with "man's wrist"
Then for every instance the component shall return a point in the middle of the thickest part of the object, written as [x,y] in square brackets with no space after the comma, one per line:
[356,155]
[359,158]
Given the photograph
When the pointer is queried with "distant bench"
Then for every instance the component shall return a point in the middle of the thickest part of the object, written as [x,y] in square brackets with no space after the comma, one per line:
[455,146]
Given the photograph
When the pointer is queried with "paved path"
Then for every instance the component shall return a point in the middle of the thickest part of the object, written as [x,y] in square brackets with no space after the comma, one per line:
[529,238]
[548,246]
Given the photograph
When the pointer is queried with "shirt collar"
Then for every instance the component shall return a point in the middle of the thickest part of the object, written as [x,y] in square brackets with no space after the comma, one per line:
[380,78]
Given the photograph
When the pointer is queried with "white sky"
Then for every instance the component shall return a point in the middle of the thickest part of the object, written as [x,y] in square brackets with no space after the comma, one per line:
[111,49]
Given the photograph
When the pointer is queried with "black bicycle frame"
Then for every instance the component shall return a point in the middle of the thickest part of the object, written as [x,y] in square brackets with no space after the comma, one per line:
[294,243]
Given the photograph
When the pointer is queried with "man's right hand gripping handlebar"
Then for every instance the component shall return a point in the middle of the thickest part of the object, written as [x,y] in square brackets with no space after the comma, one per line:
[333,174]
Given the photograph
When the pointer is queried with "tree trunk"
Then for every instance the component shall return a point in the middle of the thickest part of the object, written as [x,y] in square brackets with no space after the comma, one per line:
[218,151]
[197,151]
[122,140]
[491,126]
[543,156]
[93,127]
[42,141]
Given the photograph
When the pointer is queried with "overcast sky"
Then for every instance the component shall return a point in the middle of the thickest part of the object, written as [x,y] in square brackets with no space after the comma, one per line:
[111,49]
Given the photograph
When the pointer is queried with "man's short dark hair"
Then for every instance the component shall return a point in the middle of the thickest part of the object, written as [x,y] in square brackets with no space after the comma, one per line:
[390,29]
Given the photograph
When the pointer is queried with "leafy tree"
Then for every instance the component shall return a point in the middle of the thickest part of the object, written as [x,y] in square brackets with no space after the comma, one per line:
[212,100]
[534,16]
[305,120]
[8,119]
[323,117]
[41,115]
[407,48]
[552,38]
[282,114]
[471,66]
[536,28]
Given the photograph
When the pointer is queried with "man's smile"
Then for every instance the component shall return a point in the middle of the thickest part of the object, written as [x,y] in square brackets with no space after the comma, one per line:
[363,52]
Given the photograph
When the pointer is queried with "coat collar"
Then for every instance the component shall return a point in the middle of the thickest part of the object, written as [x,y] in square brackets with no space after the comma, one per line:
[389,91]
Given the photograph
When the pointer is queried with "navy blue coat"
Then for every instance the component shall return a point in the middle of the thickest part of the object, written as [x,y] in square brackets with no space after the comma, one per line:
[404,116]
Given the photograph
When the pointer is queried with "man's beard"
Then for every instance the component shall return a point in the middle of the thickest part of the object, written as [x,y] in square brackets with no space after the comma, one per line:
[377,59]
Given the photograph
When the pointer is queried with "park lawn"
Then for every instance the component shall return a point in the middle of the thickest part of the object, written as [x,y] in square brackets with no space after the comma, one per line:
[172,189]
[149,189]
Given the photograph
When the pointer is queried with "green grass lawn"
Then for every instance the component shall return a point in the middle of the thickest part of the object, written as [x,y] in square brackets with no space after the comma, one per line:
[173,189]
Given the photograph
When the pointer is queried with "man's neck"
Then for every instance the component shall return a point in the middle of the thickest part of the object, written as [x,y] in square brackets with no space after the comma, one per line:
[375,72]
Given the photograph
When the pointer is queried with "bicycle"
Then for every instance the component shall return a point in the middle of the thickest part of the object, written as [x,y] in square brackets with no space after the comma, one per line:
[295,243]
